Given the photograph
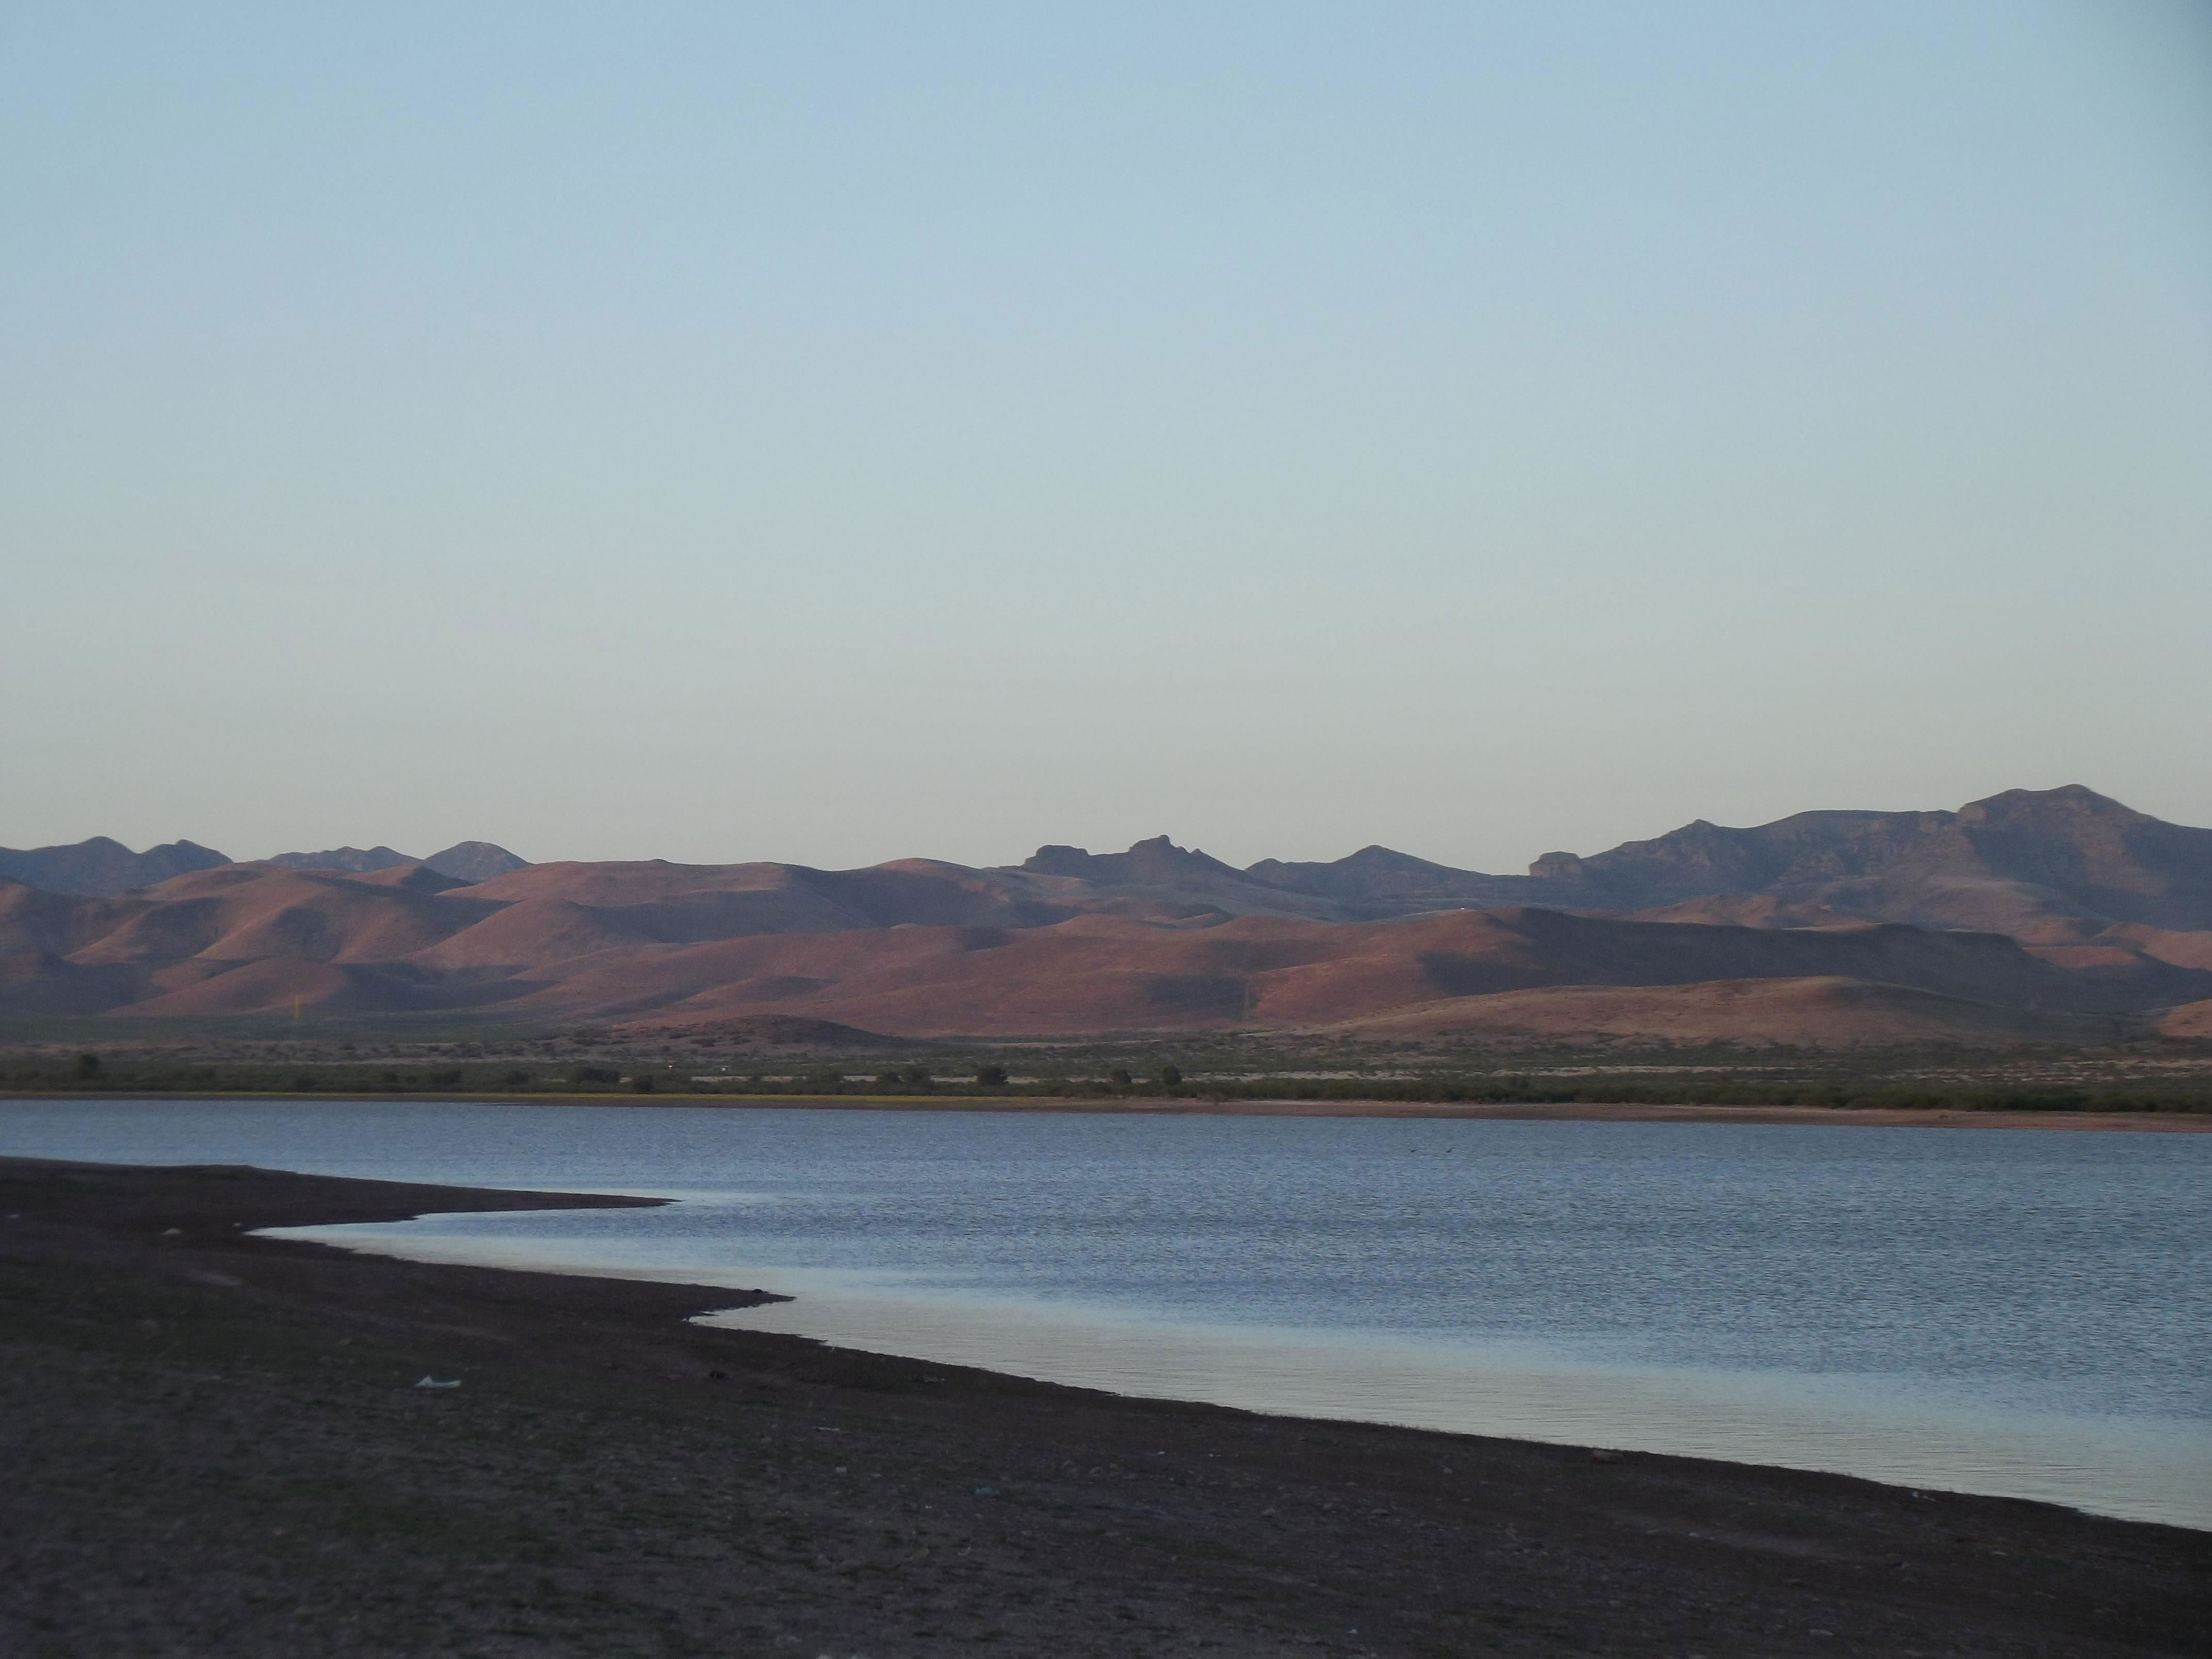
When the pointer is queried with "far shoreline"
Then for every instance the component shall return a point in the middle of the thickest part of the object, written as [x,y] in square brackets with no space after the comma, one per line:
[1165,1106]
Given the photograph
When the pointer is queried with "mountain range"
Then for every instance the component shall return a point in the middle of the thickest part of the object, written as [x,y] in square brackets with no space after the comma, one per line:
[101,867]
[465,860]
[2047,913]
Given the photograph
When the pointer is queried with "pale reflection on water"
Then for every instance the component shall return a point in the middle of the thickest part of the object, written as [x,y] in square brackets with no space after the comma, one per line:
[1871,1427]
[2018,1313]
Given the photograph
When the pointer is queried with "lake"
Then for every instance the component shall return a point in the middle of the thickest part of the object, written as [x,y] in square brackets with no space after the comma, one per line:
[2015,1312]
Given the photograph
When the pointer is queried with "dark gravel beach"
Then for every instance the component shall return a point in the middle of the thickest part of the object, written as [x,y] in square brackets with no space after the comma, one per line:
[215,1444]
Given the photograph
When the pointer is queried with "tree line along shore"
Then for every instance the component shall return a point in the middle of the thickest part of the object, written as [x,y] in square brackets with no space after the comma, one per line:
[85,1073]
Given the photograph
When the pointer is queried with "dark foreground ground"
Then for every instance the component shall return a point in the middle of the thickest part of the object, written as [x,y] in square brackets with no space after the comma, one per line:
[211,1445]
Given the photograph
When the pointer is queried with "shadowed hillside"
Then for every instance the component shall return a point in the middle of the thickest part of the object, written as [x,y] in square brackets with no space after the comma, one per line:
[1833,926]
[100,865]
[1375,883]
[465,860]
[2056,866]
[700,945]
[2066,862]
[1825,1012]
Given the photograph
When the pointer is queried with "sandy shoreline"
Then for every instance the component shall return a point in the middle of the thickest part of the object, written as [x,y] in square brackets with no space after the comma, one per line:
[216,1445]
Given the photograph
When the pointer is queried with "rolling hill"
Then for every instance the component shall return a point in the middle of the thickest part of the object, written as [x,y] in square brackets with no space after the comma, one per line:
[2062,864]
[1704,933]
[1814,1013]
[100,865]
[465,860]
[698,946]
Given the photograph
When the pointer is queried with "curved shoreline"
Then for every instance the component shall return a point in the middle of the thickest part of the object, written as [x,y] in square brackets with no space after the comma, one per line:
[237,1417]
[2153,1470]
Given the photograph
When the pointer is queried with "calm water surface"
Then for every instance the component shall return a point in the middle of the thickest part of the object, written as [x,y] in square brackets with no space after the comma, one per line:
[2020,1312]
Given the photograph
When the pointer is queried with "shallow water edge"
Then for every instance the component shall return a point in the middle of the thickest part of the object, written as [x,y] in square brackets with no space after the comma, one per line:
[2130,1470]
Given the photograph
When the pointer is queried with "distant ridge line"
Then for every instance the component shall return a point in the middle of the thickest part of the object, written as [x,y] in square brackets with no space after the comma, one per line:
[2056,866]
[101,867]
[2053,916]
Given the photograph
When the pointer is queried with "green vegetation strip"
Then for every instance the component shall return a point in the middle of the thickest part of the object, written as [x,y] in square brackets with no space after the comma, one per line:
[87,1075]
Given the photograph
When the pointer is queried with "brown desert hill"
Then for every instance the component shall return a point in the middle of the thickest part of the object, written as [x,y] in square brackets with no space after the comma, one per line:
[926,893]
[198,990]
[410,877]
[1376,883]
[1474,953]
[37,983]
[1177,880]
[66,953]
[694,944]
[100,867]
[353,861]
[2182,950]
[465,860]
[1748,910]
[1098,974]
[243,913]
[531,933]
[38,931]
[686,903]
[1159,937]
[94,954]
[1156,860]
[2192,1020]
[475,861]
[2061,864]
[269,987]
[613,906]
[629,881]
[211,944]
[2127,954]
[34,920]
[2056,866]
[2005,864]
[1093,974]
[1826,1012]
[663,903]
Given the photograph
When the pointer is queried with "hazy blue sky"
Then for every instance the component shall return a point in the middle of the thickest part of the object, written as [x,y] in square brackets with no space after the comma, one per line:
[836,431]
